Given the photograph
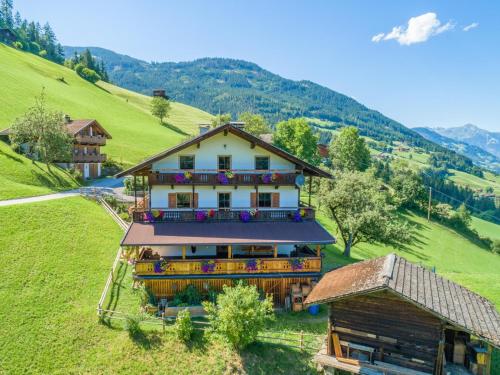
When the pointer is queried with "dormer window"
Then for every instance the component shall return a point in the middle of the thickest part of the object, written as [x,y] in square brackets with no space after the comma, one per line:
[186,162]
[262,163]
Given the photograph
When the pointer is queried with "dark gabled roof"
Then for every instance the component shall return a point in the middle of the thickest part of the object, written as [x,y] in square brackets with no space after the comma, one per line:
[418,285]
[309,168]
[227,233]
[74,126]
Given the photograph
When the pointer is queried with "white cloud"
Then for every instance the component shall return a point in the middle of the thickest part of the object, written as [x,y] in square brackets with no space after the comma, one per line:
[473,25]
[377,38]
[418,30]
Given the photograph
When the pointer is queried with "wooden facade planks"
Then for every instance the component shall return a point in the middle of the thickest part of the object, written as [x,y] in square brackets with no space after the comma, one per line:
[416,332]
[279,288]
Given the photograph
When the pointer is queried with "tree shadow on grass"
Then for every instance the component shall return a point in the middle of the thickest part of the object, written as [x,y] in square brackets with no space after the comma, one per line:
[267,358]
[12,157]
[145,340]
[174,128]
[114,294]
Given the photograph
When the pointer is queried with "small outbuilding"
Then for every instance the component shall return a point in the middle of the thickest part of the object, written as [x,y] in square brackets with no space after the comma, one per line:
[390,316]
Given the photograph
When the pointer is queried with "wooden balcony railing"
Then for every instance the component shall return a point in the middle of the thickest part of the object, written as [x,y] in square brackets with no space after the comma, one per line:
[91,139]
[214,177]
[89,158]
[227,266]
[214,215]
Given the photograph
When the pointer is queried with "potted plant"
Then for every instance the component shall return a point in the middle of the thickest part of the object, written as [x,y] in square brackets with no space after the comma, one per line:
[208,266]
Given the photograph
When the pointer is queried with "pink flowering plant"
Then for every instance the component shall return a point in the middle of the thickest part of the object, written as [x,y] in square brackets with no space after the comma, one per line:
[253,265]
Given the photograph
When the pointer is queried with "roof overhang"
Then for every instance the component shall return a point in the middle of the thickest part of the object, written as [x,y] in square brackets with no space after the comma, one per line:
[226,233]
[146,165]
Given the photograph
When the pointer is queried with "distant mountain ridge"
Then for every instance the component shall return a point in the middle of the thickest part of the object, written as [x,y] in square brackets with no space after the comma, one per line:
[478,155]
[227,85]
[473,135]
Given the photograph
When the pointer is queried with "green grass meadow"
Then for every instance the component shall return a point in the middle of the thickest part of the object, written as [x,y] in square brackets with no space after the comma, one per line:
[20,177]
[136,133]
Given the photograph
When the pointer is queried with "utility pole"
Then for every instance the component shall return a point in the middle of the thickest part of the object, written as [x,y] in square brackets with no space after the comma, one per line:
[429,208]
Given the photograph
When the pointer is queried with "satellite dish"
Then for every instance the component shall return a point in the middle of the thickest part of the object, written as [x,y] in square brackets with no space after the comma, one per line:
[300,180]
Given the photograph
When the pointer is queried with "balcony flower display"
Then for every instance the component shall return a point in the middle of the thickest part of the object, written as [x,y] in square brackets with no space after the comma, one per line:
[254,212]
[297,217]
[225,177]
[160,265]
[157,214]
[200,216]
[208,266]
[253,265]
[148,216]
[269,178]
[296,263]
[245,216]
[182,178]
[211,213]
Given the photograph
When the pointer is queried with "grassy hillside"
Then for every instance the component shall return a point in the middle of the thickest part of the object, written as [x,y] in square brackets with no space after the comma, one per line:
[136,134]
[20,177]
[434,245]
[49,322]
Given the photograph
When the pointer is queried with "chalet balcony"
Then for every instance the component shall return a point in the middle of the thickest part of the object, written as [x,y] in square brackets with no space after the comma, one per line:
[215,177]
[90,140]
[218,266]
[216,215]
[89,158]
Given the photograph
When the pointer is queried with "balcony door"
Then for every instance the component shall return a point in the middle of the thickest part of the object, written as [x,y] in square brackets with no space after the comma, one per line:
[221,251]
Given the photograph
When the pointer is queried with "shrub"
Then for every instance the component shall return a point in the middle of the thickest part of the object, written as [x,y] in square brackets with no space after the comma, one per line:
[86,73]
[42,53]
[188,297]
[495,247]
[133,325]
[183,325]
[239,314]
[17,45]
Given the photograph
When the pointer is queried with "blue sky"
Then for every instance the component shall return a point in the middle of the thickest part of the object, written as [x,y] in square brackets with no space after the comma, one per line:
[427,72]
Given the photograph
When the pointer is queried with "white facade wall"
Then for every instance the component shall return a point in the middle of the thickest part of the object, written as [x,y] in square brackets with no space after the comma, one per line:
[242,155]
[176,251]
[207,195]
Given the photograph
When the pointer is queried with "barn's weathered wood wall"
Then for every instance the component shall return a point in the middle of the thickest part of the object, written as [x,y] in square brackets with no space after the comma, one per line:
[405,334]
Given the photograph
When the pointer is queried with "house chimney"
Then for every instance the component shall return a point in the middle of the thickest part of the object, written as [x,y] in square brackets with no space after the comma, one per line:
[67,119]
[238,124]
[204,128]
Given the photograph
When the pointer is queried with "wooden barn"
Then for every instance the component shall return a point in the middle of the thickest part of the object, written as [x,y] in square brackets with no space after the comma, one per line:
[389,316]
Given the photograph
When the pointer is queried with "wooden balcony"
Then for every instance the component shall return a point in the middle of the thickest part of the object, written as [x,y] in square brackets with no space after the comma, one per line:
[89,158]
[227,266]
[90,140]
[214,215]
[213,178]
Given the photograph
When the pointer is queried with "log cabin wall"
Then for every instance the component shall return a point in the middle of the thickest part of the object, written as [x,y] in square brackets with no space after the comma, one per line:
[405,335]
[278,287]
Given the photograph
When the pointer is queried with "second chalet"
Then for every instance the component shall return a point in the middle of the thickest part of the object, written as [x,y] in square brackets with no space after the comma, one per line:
[224,206]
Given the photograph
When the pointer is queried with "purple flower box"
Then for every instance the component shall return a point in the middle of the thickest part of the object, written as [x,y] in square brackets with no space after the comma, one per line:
[208,266]
[245,216]
[296,264]
[252,265]
[200,216]
[222,178]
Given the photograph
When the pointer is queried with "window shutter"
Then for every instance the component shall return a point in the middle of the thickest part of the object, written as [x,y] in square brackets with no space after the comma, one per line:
[195,200]
[253,199]
[275,200]
[172,200]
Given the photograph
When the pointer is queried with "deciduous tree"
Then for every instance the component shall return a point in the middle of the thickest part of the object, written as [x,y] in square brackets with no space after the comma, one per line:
[221,119]
[297,137]
[160,107]
[254,124]
[349,152]
[360,210]
[44,133]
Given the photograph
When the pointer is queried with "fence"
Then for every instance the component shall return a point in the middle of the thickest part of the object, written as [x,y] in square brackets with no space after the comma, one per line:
[111,275]
[303,341]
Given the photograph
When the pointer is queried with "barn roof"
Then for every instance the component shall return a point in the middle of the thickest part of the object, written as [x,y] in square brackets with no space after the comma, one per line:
[449,301]
[309,169]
